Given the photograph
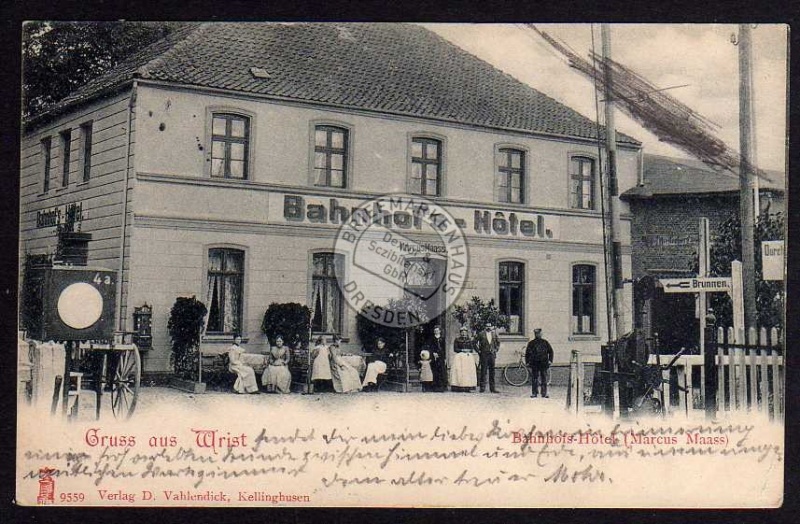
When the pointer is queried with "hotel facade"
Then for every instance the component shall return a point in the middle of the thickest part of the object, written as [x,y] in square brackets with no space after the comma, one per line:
[220,162]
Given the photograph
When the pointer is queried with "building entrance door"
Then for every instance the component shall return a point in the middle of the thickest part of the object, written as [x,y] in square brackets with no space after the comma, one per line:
[424,285]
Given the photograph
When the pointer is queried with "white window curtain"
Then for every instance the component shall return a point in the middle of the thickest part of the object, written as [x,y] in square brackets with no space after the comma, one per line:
[224,290]
[326,297]
[231,307]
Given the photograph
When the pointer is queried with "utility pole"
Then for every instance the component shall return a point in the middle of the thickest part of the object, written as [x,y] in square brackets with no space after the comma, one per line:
[612,196]
[612,190]
[746,176]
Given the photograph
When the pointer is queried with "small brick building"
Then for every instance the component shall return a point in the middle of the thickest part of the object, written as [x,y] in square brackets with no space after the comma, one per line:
[666,208]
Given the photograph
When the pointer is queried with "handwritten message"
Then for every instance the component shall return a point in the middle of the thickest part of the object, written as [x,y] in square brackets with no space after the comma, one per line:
[314,463]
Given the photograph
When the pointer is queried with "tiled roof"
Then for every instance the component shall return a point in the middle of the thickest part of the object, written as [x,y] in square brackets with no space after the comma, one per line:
[392,68]
[665,176]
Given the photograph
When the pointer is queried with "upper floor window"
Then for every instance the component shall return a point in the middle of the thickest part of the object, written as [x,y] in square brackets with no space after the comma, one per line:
[225,288]
[230,143]
[86,135]
[330,156]
[326,298]
[512,294]
[426,166]
[510,175]
[66,151]
[583,299]
[46,152]
[581,183]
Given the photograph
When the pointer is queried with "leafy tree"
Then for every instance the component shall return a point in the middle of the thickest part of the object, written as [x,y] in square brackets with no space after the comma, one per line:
[477,313]
[726,247]
[59,57]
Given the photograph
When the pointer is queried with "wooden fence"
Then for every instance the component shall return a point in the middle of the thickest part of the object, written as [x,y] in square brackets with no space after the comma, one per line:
[750,374]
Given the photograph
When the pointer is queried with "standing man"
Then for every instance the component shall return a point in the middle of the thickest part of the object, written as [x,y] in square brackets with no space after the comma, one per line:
[488,344]
[539,356]
[438,365]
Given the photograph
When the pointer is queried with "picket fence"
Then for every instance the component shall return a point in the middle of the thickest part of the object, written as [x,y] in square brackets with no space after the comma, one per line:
[750,373]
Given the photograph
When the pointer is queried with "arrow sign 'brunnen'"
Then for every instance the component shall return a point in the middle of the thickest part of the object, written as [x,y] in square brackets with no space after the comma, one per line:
[696,285]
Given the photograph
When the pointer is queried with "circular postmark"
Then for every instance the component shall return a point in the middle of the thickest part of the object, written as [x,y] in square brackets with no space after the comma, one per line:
[405,258]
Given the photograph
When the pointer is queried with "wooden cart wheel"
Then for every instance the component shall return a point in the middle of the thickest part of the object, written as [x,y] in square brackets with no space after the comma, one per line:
[125,383]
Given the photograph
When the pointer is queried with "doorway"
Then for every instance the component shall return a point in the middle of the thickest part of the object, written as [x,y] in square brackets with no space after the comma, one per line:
[424,281]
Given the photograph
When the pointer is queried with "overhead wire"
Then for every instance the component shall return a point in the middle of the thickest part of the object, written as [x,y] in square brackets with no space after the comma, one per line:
[663,115]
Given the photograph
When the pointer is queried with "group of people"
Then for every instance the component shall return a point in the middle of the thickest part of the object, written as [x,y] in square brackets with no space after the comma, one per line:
[276,376]
[465,371]
[331,371]
[466,374]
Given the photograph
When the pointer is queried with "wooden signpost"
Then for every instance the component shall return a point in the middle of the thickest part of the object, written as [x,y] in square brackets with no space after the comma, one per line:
[701,284]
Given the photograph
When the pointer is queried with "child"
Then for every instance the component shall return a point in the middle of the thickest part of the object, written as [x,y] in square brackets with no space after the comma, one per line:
[425,371]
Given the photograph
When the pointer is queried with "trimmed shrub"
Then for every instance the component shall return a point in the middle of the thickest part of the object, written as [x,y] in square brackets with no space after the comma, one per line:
[186,322]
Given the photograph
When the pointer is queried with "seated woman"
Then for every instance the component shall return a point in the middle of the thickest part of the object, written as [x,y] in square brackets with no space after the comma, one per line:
[321,366]
[245,376]
[463,373]
[345,377]
[277,375]
[376,365]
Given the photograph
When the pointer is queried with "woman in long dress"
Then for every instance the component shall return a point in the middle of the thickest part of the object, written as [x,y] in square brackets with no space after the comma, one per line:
[463,373]
[376,365]
[245,376]
[277,375]
[321,366]
[345,377]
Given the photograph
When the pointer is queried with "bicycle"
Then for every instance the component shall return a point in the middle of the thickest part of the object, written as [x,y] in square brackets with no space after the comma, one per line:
[649,381]
[517,374]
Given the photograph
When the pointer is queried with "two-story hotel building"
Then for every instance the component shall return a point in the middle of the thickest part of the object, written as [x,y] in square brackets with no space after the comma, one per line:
[185,161]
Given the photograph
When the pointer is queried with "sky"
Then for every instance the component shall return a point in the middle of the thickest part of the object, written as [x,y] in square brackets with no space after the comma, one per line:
[700,55]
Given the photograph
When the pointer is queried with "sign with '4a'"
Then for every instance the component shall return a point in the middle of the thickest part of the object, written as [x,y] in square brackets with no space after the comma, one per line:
[696,285]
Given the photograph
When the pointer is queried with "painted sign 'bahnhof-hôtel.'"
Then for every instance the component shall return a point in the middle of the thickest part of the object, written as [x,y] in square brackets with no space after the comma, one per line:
[220,162]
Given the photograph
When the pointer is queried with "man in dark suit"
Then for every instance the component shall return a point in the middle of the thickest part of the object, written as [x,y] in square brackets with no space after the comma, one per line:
[488,344]
[438,351]
[539,356]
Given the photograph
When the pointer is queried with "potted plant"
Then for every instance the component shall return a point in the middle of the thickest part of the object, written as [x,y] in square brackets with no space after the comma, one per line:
[291,320]
[186,323]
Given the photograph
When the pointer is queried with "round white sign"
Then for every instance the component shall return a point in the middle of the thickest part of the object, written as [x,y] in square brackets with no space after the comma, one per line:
[80,305]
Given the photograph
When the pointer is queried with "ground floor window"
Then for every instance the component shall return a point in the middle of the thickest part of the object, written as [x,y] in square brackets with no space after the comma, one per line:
[512,294]
[326,300]
[224,295]
[583,299]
